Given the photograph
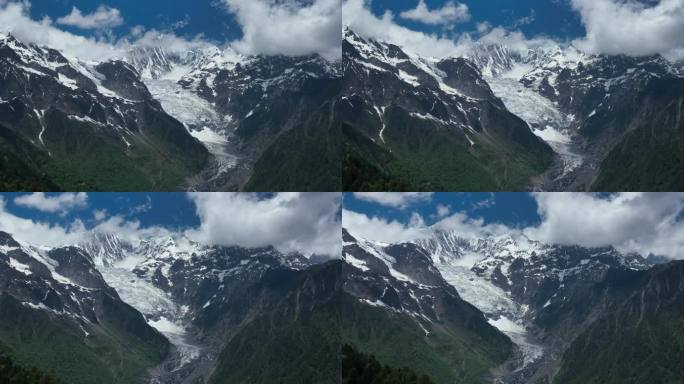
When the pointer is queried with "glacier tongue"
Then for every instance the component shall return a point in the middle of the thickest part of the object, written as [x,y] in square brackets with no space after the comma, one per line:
[501,311]
[199,117]
[544,118]
[159,309]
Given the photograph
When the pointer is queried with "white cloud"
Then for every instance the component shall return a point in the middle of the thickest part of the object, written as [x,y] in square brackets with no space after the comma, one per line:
[99,214]
[529,19]
[394,199]
[103,18]
[450,14]
[393,231]
[483,27]
[633,222]
[144,207]
[269,27]
[631,27]
[36,232]
[443,210]
[308,223]
[288,27]
[612,27]
[60,203]
[381,229]
[361,20]
[15,18]
[644,223]
[302,222]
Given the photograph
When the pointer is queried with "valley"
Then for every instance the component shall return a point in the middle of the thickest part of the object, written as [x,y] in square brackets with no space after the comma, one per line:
[498,309]
[204,124]
[572,167]
[585,112]
[205,118]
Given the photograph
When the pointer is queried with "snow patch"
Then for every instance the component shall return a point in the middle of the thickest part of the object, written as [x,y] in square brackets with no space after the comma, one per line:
[23,268]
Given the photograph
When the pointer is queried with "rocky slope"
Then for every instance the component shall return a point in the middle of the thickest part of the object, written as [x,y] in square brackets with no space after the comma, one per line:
[59,314]
[419,123]
[401,280]
[203,119]
[70,125]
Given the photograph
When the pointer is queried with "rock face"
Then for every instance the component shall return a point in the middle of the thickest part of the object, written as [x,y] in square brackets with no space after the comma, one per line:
[424,124]
[72,125]
[57,313]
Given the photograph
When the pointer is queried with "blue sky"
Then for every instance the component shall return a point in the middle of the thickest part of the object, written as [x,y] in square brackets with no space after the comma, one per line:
[197,16]
[169,210]
[554,18]
[511,209]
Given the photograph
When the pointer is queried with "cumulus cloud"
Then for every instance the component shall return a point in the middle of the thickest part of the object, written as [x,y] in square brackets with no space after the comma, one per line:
[633,222]
[15,18]
[443,210]
[450,14]
[289,27]
[394,199]
[394,231]
[308,223]
[632,27]
[36,232]
[103,18]
[60,203]
[645,223]
[361,20]
[358,16]
[382,229]
[270,27]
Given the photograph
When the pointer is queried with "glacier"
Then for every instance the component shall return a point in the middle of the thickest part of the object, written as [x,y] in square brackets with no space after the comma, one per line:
[543,117]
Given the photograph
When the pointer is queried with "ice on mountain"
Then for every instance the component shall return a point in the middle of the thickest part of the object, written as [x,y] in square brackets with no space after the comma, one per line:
[543,116]
[360,264]
[23,268]
[412,80]
[189,108]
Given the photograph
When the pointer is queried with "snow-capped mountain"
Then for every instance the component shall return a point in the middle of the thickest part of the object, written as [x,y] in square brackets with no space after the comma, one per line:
[593,110]
[611,120]
[521,285]
[203,119]
[56,111]
[398,108]
[185,290]
[54,300]
[400,281]
[244,108]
